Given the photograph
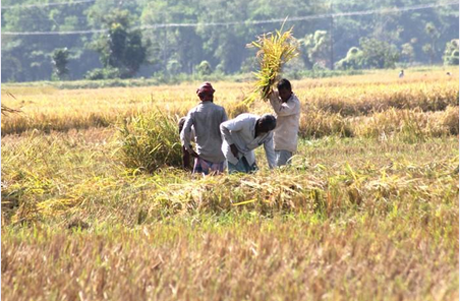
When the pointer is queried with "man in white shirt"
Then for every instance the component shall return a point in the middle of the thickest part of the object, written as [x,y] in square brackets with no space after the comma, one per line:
[205,120]
[287,109]
[242,135]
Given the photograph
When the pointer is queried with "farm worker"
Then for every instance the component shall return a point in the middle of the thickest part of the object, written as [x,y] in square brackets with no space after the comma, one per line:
[287,108]
[244,134]
[205,119]
[185,154]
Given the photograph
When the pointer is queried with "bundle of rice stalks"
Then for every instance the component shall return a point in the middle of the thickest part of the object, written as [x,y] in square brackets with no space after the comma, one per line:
[236,109]
[149,142]
[275,50]
[450,120]
[265,192]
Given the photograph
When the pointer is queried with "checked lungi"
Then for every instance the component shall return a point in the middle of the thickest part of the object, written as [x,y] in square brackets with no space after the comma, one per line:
[205,167]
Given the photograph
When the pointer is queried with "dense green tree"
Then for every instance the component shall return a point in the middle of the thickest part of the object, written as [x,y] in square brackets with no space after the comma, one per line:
[225,45]
[180,45]
[451,53]
[173,66]
[12,67]
[407,53]
[316,49]
[60,59]
[431,48]
[204,68]
[353,60]
[121,48]
[30,55]
[185,33]
[378,54]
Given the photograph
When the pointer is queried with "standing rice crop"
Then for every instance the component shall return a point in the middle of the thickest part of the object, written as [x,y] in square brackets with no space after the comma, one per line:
[149,142]
[450,120]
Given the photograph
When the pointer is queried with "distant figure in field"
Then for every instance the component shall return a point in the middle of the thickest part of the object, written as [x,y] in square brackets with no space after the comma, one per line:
[244,134]
[205,119]
[287,108]
[448,73]
[401,74]
[185,154]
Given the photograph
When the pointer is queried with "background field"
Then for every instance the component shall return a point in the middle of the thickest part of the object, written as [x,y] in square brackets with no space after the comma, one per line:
[368,211]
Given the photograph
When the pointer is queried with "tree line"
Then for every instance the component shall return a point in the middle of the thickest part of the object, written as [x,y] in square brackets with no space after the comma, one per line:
[125,39]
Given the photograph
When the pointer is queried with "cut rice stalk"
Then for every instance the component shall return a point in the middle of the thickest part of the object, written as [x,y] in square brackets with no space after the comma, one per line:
[275,50]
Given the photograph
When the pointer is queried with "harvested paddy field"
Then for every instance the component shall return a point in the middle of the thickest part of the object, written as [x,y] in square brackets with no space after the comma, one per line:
[367,211]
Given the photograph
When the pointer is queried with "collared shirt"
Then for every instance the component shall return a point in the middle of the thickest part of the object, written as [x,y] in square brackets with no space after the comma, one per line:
[287,121]
[206,119]
[241,132]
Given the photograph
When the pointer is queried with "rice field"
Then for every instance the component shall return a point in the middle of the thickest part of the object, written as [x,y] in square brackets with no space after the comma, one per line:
[368,210]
